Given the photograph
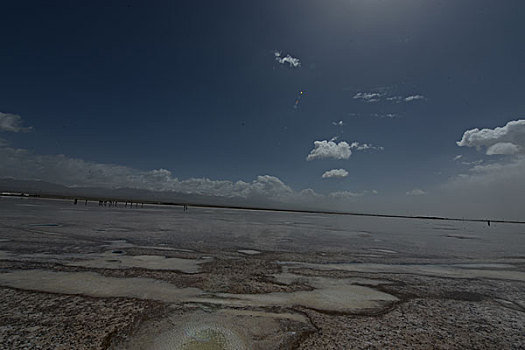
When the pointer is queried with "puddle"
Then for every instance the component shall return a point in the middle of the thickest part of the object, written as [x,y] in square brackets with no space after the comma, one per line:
[388,251]
[258,314]
[4,255]
[249,251]
[329,294]
[340,295]
[458,236]
[194,337]
[43,225]
[110,260]
[121,244]
[450,271]
[96,285]
[222,329]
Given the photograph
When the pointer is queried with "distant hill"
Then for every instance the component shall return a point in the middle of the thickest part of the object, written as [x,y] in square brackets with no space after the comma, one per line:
[44,188]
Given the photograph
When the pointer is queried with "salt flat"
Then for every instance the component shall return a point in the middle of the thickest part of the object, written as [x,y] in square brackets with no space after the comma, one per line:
[299,280]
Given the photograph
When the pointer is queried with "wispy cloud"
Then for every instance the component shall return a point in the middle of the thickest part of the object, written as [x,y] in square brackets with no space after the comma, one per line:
[292,61]
[345,195]
[335,173]
[413,98]
[364,146]
[508,139]
[373,96]
[11,122]
[369,97]
[416,192]
[329,149]
[385,115]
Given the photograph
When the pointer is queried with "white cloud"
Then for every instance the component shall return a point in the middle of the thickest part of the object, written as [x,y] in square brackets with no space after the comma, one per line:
[503,148]
[292,61]
[11,122]
[413,98]
[329,149]
[364,146]
[369,97]
[416,192]
[335,173]
[459,156]
[509,139]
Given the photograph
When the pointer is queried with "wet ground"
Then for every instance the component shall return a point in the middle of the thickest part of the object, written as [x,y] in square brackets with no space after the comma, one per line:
[90,277]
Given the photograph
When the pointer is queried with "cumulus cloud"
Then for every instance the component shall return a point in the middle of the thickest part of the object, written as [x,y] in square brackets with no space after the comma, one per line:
[369,97]
[329,149]
[11,122]
[416,192]
[503,148]
[509,139]
[335,173]
[292,61]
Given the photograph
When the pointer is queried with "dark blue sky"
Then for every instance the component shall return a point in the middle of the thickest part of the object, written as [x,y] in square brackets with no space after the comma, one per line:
[194,87]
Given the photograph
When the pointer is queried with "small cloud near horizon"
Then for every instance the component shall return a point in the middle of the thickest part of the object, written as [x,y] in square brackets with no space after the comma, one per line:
[416,192]
[335,173]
